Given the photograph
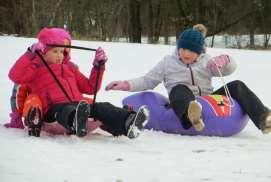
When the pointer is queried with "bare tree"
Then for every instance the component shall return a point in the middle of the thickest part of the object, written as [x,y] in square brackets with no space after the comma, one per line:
[154,20]
[264,7]
[134,24]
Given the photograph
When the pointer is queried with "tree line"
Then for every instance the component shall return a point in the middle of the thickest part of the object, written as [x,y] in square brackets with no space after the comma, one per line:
[109,20]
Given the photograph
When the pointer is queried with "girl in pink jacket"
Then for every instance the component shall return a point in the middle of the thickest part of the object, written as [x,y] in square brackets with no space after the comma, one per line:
[21,91]
[60,85]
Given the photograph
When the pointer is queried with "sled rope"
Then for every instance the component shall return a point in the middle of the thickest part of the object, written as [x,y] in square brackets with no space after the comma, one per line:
[61,87]
[96,87]
[227,92]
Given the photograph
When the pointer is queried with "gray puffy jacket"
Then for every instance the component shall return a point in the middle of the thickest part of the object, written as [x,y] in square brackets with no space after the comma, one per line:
[171,71]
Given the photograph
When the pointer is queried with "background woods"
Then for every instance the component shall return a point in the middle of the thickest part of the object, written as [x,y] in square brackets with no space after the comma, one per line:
[110,20]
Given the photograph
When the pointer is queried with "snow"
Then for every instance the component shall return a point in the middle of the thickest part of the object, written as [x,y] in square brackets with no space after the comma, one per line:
[154,156]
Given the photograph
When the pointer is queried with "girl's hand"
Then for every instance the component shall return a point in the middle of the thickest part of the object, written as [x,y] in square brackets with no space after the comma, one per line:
[100,57]
[118,85]
[218,62]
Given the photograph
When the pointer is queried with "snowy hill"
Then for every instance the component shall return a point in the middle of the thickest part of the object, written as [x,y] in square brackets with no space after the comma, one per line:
[154,156]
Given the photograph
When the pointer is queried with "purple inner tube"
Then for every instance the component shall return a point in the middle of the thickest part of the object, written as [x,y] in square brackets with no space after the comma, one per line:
[219,117]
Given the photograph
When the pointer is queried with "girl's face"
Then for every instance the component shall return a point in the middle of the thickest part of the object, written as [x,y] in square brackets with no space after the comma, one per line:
[54,55]
[187,56]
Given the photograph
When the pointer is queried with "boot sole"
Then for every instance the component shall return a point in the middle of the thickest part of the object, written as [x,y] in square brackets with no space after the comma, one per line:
[81,116]
[141,119]
[34,122]
[194,115]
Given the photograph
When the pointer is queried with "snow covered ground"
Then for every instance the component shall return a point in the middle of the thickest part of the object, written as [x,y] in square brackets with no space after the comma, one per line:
[154,156]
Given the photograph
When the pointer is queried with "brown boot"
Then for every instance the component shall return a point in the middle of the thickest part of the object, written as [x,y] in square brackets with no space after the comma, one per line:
[267,124]
[194,115]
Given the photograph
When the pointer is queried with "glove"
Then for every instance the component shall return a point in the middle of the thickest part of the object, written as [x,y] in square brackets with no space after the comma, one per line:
[100,57]
[118,85]
[218,62]
[37,47]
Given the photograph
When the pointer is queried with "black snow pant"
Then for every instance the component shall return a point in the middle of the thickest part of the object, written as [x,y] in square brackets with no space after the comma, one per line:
[181,95]
[248,101]
[179,99]
[112,117]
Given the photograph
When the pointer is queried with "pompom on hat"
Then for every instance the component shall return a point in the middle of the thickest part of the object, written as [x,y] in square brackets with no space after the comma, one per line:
[201,28]
[52,36]
[191,39]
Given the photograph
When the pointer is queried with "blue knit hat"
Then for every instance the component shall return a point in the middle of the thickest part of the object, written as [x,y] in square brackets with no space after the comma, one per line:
[191,39]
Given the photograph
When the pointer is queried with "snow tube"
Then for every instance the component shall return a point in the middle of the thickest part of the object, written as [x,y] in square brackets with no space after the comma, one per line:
[220,119]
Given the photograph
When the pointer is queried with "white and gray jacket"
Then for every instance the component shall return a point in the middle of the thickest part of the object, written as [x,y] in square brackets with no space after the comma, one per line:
[171,71]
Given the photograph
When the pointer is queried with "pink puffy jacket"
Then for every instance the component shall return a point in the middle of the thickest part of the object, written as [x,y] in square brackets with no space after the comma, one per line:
[38,78]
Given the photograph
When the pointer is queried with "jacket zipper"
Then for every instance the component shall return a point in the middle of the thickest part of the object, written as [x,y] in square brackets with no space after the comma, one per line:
[191,73]
[192,78]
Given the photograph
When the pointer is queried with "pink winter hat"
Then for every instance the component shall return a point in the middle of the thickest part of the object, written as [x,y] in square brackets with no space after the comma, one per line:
[52,36]
[62,33]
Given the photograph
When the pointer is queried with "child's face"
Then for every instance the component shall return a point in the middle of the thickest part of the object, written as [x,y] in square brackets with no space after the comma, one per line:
[54,55]
[187,56]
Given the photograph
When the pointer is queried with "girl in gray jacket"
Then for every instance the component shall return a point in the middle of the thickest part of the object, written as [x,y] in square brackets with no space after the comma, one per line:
[187,73]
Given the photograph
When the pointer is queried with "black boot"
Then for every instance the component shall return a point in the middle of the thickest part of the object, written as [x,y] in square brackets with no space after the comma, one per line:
[136,122]
[81,118]
[33,121]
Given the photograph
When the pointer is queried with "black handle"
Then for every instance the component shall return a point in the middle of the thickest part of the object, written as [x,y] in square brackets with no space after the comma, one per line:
[70,46]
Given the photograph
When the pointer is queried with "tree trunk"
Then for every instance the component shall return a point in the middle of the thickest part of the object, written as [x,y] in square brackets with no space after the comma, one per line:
[33,18]
[266,40]
[213,41]
[251,39]
[150,21]
[53,15]
[158,23]
[134,24]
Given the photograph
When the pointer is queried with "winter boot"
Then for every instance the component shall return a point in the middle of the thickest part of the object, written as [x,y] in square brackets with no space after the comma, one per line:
[194,115]
[136,122]
[33,121]
[266,123]
[81,118]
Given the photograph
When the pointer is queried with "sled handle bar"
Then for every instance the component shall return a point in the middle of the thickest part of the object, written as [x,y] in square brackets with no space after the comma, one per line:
[70,46]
